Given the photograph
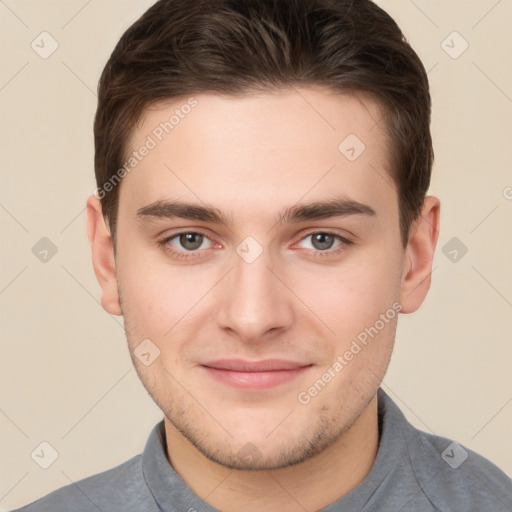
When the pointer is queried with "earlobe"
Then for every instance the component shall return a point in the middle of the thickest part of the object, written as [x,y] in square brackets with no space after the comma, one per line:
[420,249]
[103,256]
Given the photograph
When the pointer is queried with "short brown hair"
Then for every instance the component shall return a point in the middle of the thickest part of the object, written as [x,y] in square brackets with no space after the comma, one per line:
[180,47]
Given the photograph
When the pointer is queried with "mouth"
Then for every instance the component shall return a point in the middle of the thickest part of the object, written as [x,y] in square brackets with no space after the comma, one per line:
[256,375]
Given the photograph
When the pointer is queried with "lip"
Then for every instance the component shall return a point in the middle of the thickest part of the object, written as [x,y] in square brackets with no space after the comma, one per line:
[261,374]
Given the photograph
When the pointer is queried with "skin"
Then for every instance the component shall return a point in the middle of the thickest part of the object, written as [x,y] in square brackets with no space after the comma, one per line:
[251,156]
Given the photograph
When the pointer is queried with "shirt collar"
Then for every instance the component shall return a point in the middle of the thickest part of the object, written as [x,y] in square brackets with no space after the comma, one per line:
[172,493]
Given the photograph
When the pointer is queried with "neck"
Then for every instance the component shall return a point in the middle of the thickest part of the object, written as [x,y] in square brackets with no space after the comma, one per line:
[310,485]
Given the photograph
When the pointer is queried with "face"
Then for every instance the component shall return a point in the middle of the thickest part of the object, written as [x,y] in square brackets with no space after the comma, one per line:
[259,256]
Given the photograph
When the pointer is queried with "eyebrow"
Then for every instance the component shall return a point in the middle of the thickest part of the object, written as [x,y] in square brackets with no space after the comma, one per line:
[318,210]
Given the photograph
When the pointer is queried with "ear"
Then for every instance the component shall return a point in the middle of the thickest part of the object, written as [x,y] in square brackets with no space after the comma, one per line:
[420,249]
[103,259]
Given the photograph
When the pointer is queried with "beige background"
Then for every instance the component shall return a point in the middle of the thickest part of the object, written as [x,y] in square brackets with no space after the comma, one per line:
[65,374]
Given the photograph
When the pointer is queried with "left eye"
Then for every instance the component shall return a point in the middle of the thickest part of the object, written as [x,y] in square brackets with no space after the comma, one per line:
[323,241]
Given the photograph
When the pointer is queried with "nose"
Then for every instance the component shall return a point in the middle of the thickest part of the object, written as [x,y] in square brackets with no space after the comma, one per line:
[254,301]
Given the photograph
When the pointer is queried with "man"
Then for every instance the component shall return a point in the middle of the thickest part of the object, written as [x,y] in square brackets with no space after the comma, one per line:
[260,221]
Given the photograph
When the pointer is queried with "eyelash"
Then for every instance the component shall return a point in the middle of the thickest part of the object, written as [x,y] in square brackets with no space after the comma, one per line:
[185,255]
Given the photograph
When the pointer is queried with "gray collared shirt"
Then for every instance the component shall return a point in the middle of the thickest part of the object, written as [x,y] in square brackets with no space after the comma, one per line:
[414,472]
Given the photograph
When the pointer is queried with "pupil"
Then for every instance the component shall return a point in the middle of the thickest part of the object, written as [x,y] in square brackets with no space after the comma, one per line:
[187,240]
[321,238]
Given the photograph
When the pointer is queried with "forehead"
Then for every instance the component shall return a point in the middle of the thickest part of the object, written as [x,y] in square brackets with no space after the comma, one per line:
[321,110]
[281,145]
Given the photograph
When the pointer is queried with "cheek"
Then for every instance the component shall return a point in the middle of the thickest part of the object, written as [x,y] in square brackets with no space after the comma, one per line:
[159,300]
[352,296]
[144,292]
